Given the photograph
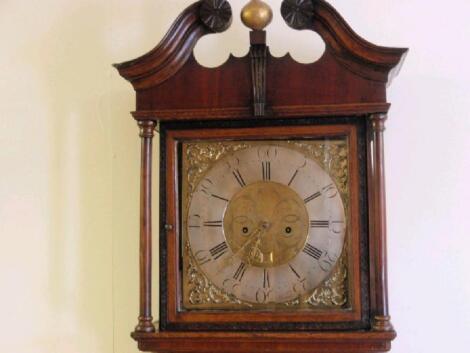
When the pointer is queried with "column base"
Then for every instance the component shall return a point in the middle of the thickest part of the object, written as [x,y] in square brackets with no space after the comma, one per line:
[382,323]
[145,325]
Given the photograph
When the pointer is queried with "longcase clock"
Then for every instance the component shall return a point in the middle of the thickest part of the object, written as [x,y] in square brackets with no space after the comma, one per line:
[272,227]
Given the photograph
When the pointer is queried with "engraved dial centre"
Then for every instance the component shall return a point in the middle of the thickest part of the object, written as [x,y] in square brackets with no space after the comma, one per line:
[266,224]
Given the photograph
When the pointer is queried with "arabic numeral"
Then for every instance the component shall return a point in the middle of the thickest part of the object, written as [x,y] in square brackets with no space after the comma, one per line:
[327,262]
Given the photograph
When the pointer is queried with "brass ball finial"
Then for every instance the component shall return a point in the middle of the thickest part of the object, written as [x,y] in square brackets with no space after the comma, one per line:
[257,15]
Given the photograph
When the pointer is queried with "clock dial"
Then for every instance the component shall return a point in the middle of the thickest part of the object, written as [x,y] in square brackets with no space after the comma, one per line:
[266,224]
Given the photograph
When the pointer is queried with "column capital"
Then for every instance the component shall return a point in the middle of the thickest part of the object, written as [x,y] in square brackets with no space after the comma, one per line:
[378,122]
[147,128]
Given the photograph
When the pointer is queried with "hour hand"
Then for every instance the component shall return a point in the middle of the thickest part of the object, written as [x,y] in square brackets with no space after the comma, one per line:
[254,236]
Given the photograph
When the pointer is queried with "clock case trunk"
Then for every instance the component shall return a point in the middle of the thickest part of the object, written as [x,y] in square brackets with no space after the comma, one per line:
[346,85]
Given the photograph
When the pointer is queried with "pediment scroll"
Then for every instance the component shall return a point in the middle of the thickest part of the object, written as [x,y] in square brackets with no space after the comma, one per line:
[370,61]
[171,54]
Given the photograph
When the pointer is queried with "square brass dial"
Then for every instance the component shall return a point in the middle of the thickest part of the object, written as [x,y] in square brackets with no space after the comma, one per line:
[251,246]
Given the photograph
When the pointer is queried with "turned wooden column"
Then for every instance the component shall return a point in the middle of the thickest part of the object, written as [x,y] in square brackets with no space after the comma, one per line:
[145,324]
[378,224]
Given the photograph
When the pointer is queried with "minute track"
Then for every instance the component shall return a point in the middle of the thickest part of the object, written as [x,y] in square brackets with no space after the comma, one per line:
[238,177]
[312,197]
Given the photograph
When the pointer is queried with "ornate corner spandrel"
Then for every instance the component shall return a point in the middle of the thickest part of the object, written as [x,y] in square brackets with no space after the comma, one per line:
[333,292]
[200,290]
[201,156]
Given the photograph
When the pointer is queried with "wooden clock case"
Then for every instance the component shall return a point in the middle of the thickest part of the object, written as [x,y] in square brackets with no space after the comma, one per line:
[261,96]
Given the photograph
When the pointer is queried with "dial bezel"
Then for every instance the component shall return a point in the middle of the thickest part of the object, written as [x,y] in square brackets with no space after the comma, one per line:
[171,313]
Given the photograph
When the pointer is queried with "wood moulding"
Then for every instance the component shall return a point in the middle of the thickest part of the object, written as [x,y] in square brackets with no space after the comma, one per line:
[167,58]
[242,113]
[362,57]
[245,342]
[172,318]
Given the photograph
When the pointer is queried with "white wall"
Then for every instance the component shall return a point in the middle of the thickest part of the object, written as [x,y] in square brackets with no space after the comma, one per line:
[69,156]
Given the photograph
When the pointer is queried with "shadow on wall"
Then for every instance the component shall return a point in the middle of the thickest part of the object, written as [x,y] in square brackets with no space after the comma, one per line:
[92,158]
[80,252]
[94,163]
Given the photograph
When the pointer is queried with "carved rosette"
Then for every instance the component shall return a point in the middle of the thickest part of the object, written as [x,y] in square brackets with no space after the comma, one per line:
[298,14]
[332,156]
[216,14]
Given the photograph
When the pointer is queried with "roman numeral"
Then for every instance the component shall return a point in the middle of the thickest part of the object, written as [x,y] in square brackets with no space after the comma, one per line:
[204,261]
[312,197]
[330,191]
[295,272]
[213,224]
[266,283]
[219,250]
[266,169]
[240,272]
[206,185]
[202,257]
[312,251]
[219,197]
[239,178]
[194,221]
[319,224]
[293,177]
